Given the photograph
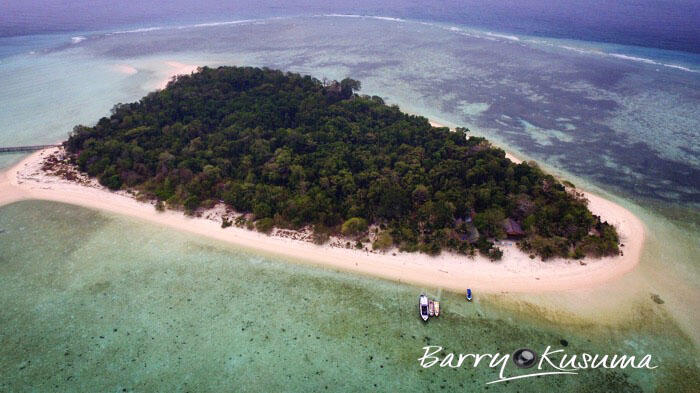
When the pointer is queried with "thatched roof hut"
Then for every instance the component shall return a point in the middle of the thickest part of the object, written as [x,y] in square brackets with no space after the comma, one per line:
[512,228]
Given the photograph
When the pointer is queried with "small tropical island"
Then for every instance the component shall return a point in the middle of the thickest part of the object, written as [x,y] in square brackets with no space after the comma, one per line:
[290,151]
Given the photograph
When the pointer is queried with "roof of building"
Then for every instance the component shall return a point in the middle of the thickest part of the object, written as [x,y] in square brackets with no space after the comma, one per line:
[512,228]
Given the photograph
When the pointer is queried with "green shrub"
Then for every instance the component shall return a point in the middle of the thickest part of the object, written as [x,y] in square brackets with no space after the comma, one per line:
[321,234]
[191,204]
[547,247]
[495,254]
[490,223]
[354,226]
[264,225]
[240,221]
[431,248]
[383,242]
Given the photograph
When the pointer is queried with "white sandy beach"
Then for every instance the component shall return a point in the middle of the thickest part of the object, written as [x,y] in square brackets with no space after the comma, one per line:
[173,69]
[162,71]
[516,272]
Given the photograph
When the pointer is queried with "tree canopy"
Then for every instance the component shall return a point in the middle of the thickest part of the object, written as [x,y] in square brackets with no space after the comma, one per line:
[295,151]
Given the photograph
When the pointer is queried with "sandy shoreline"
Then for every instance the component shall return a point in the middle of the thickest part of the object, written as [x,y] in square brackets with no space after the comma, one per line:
[174,69]
[515,273]
[163,71]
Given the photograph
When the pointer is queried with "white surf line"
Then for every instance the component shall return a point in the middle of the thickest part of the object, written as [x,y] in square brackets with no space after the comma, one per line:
[484,34]
[461,29]
[199,25]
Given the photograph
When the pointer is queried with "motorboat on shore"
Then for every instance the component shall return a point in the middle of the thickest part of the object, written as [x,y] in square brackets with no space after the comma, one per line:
[423,307]
[437,308]
[469,294]
[431,308]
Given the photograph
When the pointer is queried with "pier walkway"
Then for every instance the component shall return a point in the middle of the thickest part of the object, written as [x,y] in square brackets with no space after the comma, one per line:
[14,149]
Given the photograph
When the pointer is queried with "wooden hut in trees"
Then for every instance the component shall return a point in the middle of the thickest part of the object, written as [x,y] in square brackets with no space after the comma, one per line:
[512,228]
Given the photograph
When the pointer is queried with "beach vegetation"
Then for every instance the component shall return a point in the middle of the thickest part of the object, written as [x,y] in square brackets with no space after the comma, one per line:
[264,225]
[495,254]
[383,242]
[296,151]
[240,221]
[321,234]
[354,226]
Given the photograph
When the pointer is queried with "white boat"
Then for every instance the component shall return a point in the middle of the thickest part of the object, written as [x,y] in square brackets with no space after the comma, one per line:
[423,307]
[437,308]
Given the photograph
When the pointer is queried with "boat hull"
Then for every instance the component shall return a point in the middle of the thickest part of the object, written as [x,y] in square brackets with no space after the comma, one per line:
[423,307]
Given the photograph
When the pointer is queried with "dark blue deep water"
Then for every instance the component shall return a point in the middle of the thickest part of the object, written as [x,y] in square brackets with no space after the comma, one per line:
[668,24]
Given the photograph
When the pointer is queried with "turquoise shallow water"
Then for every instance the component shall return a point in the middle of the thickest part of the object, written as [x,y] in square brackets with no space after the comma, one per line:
[69,276]
[94,302]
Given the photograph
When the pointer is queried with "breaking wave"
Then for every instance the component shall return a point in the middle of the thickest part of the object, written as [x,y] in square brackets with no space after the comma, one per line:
[388,18]
[650,61]
[460,30]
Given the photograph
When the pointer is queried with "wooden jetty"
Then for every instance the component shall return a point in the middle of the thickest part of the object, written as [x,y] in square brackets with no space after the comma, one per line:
[15,149]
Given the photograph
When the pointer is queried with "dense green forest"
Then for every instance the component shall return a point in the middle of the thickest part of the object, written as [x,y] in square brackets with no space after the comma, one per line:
[295,151]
